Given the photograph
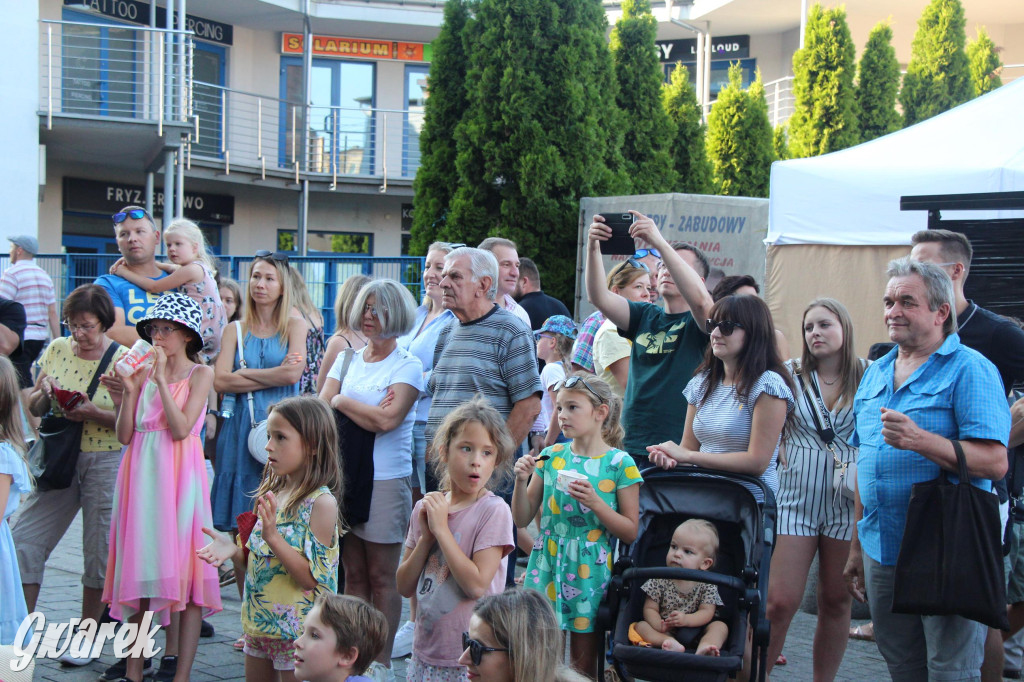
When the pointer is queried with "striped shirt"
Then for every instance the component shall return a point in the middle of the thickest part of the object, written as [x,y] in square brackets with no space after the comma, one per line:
[492,356]
[723,423]
[29,285]
[956,393]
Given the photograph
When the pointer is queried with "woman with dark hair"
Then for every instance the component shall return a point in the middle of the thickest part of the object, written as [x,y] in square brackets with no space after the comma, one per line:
[741,285]
[69,363]
[739,400]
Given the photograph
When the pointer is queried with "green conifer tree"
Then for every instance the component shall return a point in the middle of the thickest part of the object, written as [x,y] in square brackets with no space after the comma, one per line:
[541,129]
[437,176]
[780,142]
[984,63]
[740,138]
[647,139]
[937,77]
[824,118]
[689,150]
[878,84]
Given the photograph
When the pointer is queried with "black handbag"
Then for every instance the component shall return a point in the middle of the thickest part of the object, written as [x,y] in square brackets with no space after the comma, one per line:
[355,445]
[53,458]
[951,559]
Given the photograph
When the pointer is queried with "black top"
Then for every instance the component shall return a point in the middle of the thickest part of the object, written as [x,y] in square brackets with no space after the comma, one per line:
[995,337]
[539,306]
[12,316]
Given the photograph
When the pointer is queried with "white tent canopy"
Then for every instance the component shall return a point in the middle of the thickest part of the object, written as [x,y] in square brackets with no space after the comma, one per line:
[852,197]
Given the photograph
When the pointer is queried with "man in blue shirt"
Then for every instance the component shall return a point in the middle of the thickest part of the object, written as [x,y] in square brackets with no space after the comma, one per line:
[137,239]
[927,390]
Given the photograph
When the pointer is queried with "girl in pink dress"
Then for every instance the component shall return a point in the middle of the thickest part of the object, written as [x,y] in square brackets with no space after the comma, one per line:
[161,502]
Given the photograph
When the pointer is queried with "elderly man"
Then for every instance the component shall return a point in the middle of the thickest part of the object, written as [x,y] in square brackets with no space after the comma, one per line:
[485,350]
[668,343]
[137,240]
[507,255]
[927,390]
[29,285]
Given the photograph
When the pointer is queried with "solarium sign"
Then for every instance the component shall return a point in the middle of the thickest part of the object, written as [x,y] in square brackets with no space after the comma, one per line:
[356,48]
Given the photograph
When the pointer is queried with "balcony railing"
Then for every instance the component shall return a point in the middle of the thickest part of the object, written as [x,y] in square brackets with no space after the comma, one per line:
[127,72]
[256,133]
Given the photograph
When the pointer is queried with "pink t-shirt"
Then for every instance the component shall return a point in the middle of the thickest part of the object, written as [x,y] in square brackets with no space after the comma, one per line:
[444,610]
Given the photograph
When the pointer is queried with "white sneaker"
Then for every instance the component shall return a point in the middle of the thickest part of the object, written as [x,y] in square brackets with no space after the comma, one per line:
[404,639]
[80,655]
[378,673]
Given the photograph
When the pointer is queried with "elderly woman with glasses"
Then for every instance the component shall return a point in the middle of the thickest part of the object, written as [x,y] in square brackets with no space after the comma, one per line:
[377,389]
[274,347]
[70,363]
[740,397]
[631,280]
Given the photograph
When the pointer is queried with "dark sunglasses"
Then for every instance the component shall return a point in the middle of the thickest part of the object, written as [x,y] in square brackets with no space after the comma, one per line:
[644,253]
[279,256]
[573,382]
[476,649]
[456,245]
[637,265]
[134,214]
[726,326]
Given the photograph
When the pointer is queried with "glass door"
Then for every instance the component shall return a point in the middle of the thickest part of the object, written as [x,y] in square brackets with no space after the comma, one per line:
[99,68]
[415,99]
[207,102]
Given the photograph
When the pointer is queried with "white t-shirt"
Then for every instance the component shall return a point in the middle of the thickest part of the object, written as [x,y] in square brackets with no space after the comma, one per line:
[368,383]
[552,373]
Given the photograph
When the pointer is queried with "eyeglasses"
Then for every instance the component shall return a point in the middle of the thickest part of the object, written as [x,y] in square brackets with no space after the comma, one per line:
[155,330]
[134,214]
[476,649]
[725,326]
[545,336]
[87,328]
[374,310]
[634,263]
[644,253]
[279,256]
[573,382]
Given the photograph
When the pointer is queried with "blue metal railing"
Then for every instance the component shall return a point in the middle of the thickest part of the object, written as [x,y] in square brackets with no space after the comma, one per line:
[323,273]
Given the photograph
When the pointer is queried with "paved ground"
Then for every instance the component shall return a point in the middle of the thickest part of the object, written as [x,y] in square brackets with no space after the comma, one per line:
[217,660]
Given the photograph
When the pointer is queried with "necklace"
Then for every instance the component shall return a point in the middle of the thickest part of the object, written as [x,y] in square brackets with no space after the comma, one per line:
[828,383]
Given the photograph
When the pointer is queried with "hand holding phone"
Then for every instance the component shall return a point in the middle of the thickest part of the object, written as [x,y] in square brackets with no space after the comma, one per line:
[68,400]
[620,243]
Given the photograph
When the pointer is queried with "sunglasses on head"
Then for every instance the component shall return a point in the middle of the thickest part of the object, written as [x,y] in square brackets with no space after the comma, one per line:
[476,649]
[455,245]
[637,265]
[725,326]
[134,214]
[644,253]
[573,382]
[279,256]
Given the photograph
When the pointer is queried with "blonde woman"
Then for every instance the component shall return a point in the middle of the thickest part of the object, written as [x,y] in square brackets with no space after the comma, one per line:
[343,337]
[316,343]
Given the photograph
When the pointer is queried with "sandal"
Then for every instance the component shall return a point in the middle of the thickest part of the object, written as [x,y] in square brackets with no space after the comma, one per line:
[781,660]
[239,643]
[227,577]
[863,633]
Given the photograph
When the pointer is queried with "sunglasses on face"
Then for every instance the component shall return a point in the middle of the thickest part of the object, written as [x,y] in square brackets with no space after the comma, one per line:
[725,326]
[476,649]
[644,253]
[279,256]
[573,382]
[134,214]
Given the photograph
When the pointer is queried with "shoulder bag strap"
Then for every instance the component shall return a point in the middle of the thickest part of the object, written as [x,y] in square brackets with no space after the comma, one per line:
[349,354]
[241,363]
[822,421]
[101,368]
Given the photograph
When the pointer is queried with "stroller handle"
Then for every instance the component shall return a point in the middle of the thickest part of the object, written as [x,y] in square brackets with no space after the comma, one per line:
[684,574]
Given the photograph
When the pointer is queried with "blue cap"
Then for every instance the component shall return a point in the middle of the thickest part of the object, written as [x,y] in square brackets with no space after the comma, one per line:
[558,324]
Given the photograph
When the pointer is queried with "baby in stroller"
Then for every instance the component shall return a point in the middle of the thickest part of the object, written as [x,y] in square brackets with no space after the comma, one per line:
[679,612]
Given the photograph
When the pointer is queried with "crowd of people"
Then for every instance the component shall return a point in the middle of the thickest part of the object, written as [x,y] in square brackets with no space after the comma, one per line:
[418,448]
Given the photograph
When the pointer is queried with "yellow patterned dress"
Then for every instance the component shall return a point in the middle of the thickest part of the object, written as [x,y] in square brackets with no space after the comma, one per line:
[571,560]
[275,605]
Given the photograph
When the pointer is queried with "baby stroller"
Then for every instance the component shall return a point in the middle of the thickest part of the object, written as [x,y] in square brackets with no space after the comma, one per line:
[746,531]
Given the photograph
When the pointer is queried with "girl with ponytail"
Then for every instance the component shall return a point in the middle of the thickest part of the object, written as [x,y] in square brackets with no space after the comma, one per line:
[589,495]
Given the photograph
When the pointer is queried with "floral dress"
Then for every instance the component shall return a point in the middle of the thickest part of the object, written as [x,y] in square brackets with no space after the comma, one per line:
[571,559]
[215,319]
[274,604]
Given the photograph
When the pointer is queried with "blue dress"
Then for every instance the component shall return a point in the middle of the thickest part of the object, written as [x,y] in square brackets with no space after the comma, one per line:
[12,603]
[238,475]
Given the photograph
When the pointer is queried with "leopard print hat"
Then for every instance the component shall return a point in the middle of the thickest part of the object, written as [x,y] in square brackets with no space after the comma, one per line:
[179,308]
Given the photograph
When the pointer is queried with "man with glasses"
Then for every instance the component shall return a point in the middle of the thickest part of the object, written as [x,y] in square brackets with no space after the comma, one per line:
[137,240]
[667,344]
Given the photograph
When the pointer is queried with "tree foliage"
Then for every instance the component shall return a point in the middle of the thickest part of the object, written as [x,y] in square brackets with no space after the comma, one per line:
[825,117]
[780,142]
[937,77]
[983,63]
[689,151]
[437,176]
[540,131]
[740,138]
[878,84]
[647,139]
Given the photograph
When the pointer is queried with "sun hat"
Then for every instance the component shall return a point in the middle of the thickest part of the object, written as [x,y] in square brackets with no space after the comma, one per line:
[557,324]
[175,307]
